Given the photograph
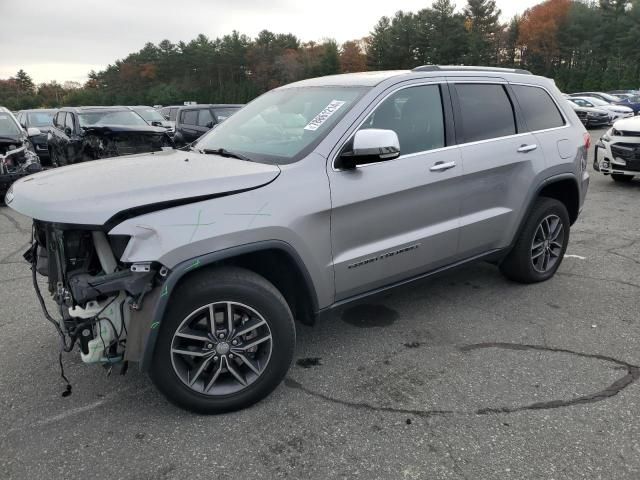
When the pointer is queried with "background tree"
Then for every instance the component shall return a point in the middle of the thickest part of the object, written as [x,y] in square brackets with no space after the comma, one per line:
[481,21]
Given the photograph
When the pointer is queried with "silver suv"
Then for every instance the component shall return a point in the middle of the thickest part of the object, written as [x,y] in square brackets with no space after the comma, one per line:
[196,262]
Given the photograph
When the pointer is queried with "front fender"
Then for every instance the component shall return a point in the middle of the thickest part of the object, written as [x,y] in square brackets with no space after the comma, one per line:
[149,326]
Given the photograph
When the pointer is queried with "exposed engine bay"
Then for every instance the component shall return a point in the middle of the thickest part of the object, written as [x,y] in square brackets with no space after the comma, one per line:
[107,142]
[17,159]
[95,294]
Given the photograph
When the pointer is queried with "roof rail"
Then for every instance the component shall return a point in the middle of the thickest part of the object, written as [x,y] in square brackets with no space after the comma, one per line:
[463,68]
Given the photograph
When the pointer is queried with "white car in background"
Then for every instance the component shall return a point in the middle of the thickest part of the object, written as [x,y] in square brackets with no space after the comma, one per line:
[618,151]
[617,111]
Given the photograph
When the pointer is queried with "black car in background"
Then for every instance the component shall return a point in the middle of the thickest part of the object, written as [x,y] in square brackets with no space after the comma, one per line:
[591,117]
[17,158]
[88,133]
[42,119]
[193,121]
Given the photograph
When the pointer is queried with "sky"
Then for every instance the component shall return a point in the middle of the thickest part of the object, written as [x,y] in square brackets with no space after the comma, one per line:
[64,40]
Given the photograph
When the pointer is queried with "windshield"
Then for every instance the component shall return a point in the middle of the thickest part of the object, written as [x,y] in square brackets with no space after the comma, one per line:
[283,125]
[223,113]
[40,119]
[580,102]
[597,102]
[610,98]
[150,114]
[8,126]
[110,117]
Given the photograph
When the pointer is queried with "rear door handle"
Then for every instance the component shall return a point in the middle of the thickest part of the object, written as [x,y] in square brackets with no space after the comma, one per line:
[442,166]
[527,148]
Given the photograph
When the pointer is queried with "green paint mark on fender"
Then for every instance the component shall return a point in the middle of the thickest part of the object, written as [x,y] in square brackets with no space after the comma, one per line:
[155,325]
[195,264]
[165,291]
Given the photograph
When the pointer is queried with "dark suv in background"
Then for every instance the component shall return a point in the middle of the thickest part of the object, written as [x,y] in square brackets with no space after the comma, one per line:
[193,121]
[42,119]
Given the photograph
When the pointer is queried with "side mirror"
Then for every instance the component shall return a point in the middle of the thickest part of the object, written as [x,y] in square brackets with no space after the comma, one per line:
[67,130]
[156,124]
[371,146]
[209,125]
[33,132]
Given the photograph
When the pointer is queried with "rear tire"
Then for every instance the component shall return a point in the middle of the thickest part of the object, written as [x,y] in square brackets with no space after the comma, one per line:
[621,178]
[542,243]
[226,374]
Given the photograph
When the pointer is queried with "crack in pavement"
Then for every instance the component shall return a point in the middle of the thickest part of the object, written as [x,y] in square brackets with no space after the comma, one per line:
[291,383]
[633,373]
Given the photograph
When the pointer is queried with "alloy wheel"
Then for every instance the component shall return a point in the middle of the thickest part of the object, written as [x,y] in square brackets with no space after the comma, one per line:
[547,244]
[221,348]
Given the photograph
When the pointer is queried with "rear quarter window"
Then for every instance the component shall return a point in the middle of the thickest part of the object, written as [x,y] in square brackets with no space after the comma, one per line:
[539,110]
[486,111]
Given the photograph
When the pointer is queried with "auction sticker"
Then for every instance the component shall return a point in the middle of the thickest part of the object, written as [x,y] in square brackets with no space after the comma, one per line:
[324,115]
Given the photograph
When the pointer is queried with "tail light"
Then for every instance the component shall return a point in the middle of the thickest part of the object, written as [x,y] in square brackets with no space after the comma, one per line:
[585,154]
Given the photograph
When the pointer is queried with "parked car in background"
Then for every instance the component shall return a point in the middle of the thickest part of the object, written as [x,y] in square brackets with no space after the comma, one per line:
[193,121]
[600,95]
[17,157]
[89,133]
[42,119]
[170,112]
[618,93]
[154,118]
[313,196]
[592,117]
[632,101]
[617,111]
[611,99]
[618,151]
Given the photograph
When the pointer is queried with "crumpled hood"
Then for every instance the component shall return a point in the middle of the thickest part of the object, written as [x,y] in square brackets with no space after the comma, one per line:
[93,192]
[115,129]
[628,124]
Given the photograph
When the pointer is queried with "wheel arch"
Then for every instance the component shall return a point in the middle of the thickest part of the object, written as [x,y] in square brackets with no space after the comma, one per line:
[275,260]
[564,188]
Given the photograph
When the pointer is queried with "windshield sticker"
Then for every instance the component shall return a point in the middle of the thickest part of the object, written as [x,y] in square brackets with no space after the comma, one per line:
[324,115]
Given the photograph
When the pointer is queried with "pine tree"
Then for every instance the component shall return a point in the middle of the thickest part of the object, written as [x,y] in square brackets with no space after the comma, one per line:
[25,83]
[481,21]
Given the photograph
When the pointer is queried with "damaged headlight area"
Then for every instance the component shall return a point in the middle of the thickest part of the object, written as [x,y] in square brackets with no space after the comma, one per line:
[105,143]
[96,295]
[16,160]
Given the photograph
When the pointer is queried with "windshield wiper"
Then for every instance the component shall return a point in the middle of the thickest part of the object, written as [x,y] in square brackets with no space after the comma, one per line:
[223,152]
[10,139]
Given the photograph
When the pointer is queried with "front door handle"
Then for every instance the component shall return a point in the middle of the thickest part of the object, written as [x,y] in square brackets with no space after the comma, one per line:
[527,148]
[442,166]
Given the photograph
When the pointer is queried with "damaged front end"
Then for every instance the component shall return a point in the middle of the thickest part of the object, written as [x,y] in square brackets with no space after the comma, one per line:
[99,298]
[112,141]
[17,160]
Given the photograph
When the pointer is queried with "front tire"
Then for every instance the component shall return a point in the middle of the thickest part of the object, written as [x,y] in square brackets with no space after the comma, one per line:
[226,341]
[621,178]
[541,246]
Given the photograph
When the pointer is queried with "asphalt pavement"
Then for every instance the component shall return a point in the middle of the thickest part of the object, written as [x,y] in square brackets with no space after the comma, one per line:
[467,376]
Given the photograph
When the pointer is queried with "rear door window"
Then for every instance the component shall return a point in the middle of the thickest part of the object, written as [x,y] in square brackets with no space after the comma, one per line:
[539,110]
[189,117]
[205,118]
[486,111]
